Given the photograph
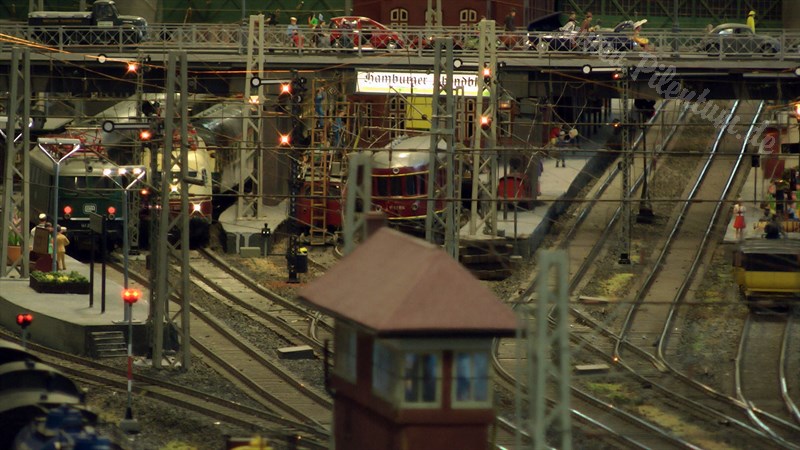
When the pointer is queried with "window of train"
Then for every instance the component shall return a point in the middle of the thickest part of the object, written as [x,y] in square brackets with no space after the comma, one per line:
[382,186]
[411,184]
[470,379]
[77,183]
[772,263]
[397,186]
[345,356]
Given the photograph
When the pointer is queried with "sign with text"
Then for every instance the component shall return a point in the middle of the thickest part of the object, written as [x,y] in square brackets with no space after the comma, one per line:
[412,83]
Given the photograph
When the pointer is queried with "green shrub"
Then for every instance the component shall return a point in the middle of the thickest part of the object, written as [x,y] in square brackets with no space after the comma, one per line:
[59,277]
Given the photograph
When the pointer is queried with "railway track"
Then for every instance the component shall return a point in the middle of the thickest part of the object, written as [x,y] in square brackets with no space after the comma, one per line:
[243,362]
[616,425]
[285,317]
[761,366]
[580,246]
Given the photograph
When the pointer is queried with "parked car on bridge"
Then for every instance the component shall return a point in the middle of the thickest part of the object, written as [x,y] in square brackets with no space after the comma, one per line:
[352,31]
[737,38]
[544,34]
[617,39]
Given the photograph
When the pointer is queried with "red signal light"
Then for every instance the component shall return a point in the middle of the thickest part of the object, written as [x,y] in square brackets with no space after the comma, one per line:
[132,67]
[486,122]
[145,135]
[111,212]
[487,74]
[284,140]
[68,211]
[286,88]
[24,319]
[131,296]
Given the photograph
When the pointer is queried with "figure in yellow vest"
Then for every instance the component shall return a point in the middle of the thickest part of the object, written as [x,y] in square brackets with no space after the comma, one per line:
[751,20]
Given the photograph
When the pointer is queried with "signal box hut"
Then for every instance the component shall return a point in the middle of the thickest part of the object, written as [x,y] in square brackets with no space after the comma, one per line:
[412,346]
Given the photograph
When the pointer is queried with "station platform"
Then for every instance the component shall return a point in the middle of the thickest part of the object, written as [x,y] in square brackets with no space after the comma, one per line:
[752,194]
[519,232]
[67,322]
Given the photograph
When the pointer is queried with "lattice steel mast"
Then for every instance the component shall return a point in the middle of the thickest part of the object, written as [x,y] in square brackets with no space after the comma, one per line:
[485,135]
[17,163]
[443,128]
[173,257]
[250,204]
[625,123]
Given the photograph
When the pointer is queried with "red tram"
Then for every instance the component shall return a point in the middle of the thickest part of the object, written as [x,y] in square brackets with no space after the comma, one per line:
[399,186]
[400,180]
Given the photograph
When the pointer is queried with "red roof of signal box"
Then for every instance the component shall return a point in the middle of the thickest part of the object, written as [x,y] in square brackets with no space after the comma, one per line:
[397,285]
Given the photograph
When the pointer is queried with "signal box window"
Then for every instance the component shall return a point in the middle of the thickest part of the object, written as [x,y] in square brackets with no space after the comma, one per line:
[421,378]
[471,379]
[384,376]
[409,378]
[345,363]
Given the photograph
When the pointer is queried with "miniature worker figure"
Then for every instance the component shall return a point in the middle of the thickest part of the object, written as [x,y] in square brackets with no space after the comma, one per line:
[61,248]
[751,20]
[318,108]
[738,219]
[561,142]
[637,28]
[338,129]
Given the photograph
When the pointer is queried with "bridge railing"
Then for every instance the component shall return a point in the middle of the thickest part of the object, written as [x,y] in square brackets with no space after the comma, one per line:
[232,38]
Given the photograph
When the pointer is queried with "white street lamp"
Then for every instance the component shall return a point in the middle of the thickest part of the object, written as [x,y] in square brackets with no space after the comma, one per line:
[75,144]
[138,173]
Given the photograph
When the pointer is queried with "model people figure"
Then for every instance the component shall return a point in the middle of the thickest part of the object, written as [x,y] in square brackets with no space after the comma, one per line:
[738,219]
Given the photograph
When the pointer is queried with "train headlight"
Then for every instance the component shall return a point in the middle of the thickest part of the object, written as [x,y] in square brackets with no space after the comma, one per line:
[415,206]
[196,207]
[173,188]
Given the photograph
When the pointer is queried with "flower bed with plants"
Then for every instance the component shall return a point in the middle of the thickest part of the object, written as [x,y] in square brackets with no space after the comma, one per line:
[59,283]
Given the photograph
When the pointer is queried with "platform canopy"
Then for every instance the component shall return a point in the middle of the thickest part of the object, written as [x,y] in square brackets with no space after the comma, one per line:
[397,285]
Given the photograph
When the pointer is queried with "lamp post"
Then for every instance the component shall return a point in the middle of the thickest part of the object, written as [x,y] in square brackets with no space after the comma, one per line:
[76,146]
[138,173]
[129,424]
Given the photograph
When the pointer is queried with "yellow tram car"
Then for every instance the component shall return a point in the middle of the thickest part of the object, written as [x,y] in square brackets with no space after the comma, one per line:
[767,271]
